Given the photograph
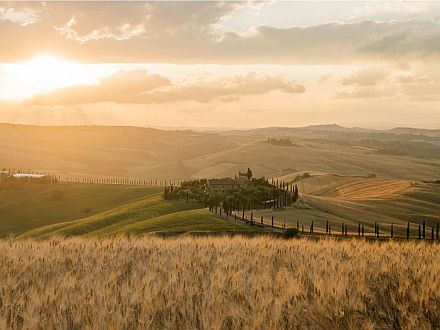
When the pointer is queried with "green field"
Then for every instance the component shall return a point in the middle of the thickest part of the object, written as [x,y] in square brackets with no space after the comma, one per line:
[198,220]
[25,207]
[29,210]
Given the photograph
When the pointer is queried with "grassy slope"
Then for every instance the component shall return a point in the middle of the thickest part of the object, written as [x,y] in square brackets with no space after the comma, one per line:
[197,220]
[30,206]
[150,214]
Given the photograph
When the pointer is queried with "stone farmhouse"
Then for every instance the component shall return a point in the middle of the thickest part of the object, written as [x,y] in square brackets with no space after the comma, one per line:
[227,184]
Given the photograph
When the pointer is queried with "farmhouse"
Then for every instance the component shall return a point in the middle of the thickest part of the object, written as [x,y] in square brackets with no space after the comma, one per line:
[226,184]
[218,185]
[242,175]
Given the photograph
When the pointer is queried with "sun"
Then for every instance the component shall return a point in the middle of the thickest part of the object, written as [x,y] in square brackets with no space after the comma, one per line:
[44,73]
[49,68]
[47,72]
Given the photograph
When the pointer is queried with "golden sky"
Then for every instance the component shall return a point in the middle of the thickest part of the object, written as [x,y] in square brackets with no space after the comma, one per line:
[221,64]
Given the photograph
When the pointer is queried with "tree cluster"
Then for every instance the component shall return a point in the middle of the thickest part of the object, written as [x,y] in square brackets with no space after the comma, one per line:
[279,141]
[259,193]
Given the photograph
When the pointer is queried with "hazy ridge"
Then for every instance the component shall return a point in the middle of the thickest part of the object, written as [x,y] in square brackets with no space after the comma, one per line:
[152,153]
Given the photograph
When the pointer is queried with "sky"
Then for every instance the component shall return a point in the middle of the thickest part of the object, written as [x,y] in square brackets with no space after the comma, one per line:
[244,64]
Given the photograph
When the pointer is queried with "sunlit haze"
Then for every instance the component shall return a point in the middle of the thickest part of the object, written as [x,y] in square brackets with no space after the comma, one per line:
[212,64]
[44,73]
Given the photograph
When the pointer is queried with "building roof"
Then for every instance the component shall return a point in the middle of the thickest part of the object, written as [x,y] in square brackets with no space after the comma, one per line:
[28,175]
[223,181]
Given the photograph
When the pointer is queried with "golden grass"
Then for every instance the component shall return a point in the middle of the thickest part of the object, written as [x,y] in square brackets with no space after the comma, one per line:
[218,283]
[365,189]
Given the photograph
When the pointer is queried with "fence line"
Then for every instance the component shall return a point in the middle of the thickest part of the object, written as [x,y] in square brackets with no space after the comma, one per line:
[381,230]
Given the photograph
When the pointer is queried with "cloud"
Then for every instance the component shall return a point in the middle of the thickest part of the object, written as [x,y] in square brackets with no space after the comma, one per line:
[422,83]
[227,89]
[140,87]
[410,7]
[411,78]
[338,42]
[366,77]
[184,32]
[122,32]
[367,93]
[420,87]
[122,87]
[20,15]
[123,21]
[324,78]
[370,82]
[111,31]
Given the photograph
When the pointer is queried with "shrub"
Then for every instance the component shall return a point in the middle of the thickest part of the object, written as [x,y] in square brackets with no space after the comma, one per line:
[57,195]
[290,233]
[302,176]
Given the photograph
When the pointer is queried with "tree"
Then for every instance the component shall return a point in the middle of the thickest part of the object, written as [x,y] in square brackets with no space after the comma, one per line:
[249,173]
[295,194]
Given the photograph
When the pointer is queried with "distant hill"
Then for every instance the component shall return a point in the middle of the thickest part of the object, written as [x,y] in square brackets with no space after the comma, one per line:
[418,131]
[149,153]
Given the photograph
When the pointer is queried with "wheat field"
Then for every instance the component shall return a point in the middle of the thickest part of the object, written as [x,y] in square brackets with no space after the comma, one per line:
[218,283]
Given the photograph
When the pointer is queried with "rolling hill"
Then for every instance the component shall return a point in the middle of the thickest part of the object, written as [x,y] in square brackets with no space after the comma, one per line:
[151,153]
[28,206]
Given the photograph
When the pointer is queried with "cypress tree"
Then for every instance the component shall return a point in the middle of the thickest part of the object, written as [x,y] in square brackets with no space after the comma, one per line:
[295,194]
[407,231]
[424,227]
